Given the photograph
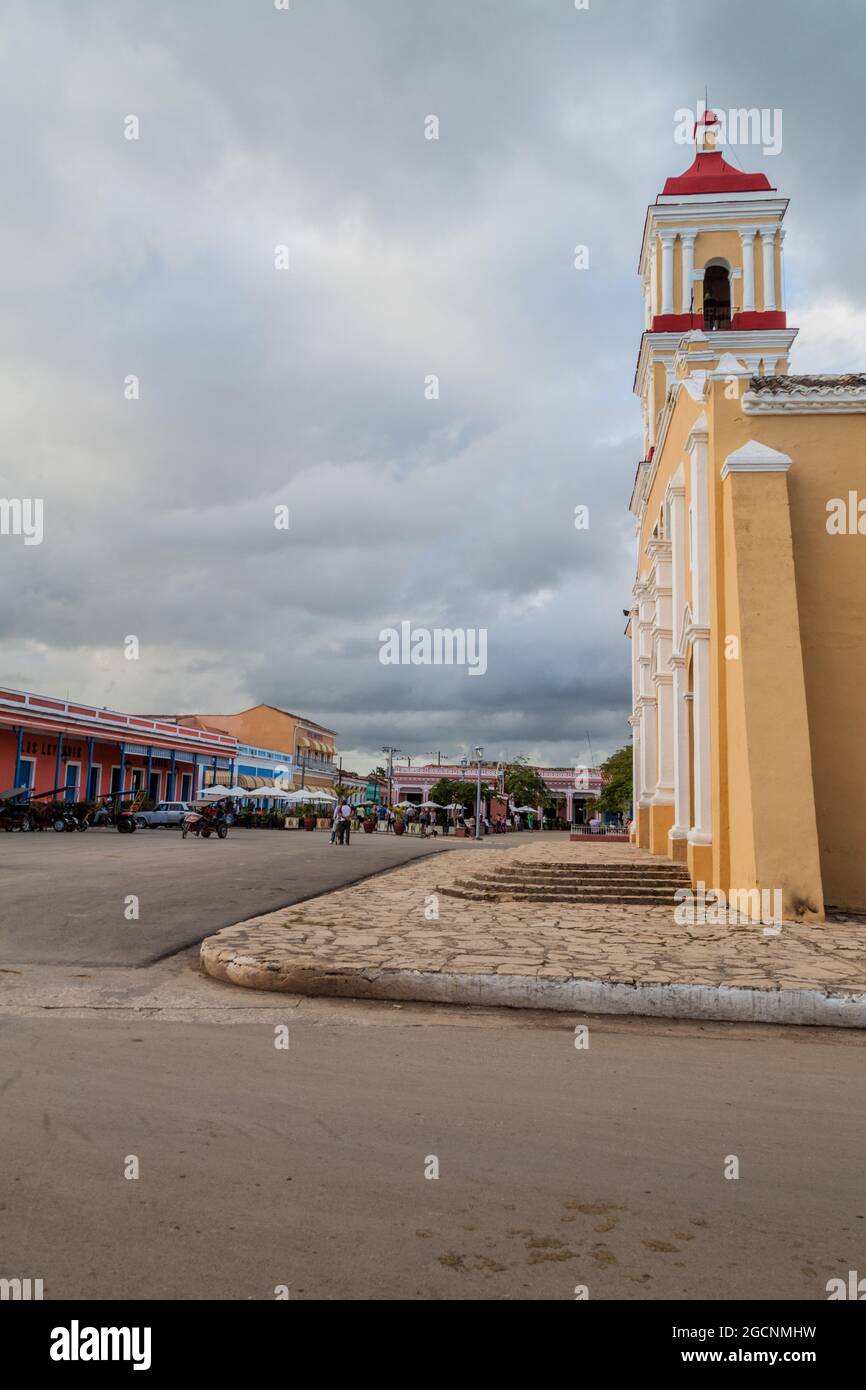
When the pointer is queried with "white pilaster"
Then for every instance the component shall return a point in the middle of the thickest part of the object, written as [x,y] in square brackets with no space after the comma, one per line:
[660,591]
[687,240]
[768,252]
[646,699]
[636,761]
[654,279]
[668,272]
[682,773]
[781,267]
[747,238]
[701,831]
[682,776]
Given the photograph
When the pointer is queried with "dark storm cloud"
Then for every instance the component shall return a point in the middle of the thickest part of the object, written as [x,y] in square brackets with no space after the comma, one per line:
[305,388]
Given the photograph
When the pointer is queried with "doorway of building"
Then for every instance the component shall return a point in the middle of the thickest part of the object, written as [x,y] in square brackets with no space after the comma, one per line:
[70,792]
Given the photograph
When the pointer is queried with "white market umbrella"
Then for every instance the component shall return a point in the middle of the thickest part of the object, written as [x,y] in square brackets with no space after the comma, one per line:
[217,791]
[301,795]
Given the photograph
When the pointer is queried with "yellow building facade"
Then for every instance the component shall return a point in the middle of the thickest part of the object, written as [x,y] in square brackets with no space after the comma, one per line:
[748,624]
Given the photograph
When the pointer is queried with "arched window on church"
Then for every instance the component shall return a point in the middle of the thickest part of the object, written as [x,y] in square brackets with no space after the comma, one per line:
[717,298]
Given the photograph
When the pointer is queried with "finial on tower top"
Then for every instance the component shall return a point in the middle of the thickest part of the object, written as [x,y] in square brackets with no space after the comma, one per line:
[706,131]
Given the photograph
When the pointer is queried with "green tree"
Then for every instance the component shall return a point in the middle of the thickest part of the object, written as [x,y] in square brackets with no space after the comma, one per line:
[449,789]
[616,792]
[526,787]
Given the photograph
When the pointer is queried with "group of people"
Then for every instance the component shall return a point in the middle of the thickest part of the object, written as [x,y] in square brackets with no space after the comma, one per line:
[430,820]
[341,823]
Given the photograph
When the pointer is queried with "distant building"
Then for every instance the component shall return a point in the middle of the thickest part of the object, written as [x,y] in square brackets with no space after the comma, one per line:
[573,787]
[274,745]
[86,751]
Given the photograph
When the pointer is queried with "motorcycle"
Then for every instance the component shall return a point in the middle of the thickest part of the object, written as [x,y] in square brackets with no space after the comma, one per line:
[207,822]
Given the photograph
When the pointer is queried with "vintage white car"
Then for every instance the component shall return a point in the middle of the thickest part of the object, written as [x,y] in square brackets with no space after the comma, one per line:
[165,813]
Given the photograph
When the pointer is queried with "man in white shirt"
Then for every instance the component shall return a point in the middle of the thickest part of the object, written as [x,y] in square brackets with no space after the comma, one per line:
[344,828]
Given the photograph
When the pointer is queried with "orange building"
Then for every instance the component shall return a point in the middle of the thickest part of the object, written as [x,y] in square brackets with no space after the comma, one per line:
[274,743]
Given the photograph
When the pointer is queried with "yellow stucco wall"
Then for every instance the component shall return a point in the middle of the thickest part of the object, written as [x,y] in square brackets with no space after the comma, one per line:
[829,460]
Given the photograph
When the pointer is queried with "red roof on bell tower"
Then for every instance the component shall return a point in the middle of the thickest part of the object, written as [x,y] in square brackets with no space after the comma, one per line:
[711,172]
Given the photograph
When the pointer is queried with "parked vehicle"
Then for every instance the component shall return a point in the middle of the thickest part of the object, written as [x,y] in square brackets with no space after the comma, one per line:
[121,809]
[64,820]
[206,822]
[33,814]
[164,813]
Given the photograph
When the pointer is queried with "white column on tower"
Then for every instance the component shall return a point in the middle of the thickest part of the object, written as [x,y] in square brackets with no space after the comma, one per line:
[668,239]
[781,267]
[768,251]
[747,239]
[688,246]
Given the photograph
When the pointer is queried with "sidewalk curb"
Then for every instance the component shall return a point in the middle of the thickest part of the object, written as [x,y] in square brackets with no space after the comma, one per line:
[725,1003]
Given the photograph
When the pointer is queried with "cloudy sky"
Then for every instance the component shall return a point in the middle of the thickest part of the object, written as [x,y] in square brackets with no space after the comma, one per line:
[262,387]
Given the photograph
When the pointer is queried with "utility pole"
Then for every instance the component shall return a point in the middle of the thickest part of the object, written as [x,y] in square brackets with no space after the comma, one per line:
[435,753]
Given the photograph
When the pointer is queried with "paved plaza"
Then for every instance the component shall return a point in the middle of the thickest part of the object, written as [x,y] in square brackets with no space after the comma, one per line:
[379,939]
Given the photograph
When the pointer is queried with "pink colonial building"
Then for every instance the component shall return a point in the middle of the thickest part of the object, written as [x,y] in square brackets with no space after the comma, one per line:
[576,786]
[87,751]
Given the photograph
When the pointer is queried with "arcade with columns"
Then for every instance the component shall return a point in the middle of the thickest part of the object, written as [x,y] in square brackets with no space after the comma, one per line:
[748,666]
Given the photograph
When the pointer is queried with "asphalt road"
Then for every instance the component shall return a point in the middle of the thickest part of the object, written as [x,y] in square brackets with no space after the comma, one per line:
[261,1167]
[63,898]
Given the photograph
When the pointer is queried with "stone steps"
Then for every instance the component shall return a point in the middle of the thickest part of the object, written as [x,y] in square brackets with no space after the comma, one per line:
[627,884]
[539,896]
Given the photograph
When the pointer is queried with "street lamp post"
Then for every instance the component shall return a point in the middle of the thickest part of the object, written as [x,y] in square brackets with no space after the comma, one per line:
[478,753]
[391,753]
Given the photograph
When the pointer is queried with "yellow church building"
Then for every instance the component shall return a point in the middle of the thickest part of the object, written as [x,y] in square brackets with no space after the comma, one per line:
[748,625]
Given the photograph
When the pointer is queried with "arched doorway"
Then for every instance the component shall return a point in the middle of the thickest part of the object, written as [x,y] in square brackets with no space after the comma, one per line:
[717,298]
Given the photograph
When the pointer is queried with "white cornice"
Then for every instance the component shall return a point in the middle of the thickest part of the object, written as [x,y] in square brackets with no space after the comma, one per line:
[807,400]
[749,342]
[692,210]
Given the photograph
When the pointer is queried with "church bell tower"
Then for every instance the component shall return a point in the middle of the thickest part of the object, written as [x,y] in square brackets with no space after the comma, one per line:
[713,278]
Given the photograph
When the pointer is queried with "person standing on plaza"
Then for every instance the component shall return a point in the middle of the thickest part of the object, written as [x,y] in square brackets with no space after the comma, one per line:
[344,829]
[335,824]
